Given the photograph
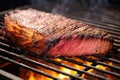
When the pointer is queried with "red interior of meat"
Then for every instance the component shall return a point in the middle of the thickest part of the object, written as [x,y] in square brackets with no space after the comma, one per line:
[77,47]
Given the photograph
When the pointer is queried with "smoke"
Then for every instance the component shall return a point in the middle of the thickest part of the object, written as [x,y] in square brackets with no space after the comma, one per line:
[85,9]
[76,5]
[75,8]
[96,4]
[67,5]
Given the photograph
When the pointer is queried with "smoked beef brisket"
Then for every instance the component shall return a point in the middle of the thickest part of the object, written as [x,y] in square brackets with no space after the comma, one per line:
[54,35]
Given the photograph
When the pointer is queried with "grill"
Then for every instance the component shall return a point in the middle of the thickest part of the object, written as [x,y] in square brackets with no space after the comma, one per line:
[14,62]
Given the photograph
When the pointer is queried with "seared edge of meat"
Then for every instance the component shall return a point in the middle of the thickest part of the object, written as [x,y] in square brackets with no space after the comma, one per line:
[26,39]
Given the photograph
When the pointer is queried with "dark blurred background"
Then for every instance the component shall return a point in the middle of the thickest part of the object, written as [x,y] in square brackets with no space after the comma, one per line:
[11,4]
[95,10]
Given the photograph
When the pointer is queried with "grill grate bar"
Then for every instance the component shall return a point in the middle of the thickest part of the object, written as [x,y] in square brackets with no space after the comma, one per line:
[116,44]
[101,13]
[40,64]
[109,59]
[3,44]
[115,37]
[69,67]
[28,67]
[106,28]
[8,76]
[107,25]
[117,41]
[116,56]
[1,23]
[112,31]
[92,67]
[111,25]
[102,63]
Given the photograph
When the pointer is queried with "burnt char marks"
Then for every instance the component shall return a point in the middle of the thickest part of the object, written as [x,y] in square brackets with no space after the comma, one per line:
[69,27]
[54,25]
[49,44]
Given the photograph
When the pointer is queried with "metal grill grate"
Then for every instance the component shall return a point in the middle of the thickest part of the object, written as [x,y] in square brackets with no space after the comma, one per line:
[91,64]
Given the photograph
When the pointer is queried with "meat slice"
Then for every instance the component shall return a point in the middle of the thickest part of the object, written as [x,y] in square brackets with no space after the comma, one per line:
[54,35]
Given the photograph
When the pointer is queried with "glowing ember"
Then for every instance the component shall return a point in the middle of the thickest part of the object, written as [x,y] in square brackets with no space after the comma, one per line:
[34,76]
[94,71]
[99,73]
[63,77]
[31,76]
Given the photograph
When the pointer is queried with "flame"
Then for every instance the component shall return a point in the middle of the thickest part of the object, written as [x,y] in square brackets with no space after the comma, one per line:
[31,76]
[63,77]
[34,76]
[100,73]
[101,67]
[95,72]
[60,76]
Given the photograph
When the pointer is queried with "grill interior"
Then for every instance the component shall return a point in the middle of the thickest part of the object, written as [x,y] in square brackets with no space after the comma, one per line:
[13,61]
